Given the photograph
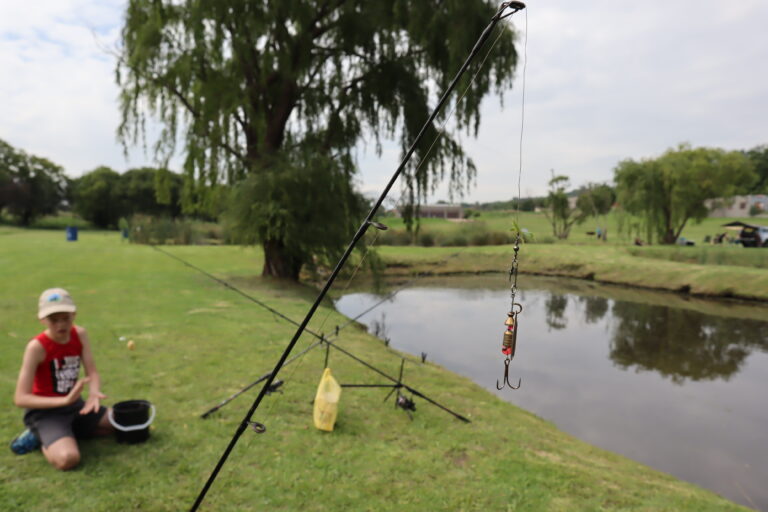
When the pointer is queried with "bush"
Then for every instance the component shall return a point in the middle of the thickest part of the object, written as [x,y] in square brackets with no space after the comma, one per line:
[500,238]
[544,240]
[426,239]
[480,238]
[395,237]
[61,221]
[464,234]
[144,229]
[454,240]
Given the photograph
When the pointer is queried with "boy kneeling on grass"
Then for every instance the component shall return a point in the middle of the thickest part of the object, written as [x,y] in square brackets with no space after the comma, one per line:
[49,388]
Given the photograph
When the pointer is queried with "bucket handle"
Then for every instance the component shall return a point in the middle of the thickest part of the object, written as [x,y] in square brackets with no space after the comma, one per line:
[131,428]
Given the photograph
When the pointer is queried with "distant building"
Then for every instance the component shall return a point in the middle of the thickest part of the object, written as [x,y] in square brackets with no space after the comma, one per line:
[737,206]
[439,211]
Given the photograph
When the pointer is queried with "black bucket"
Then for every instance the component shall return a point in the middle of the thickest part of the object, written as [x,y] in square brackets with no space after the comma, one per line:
[131,420]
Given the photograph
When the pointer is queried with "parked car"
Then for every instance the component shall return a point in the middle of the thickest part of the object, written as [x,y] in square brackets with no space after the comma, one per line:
[750,235]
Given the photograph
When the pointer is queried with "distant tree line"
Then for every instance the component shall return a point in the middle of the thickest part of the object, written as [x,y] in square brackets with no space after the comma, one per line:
[103,196]
[656,197]
[32,187]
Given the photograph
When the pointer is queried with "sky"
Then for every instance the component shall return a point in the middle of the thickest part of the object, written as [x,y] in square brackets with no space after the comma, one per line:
[605,80]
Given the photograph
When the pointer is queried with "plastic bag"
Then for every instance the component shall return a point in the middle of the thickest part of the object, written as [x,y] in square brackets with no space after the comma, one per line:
[327,402]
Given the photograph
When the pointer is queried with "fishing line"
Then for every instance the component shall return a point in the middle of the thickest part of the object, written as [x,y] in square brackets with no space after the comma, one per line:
[226,284]
[522,118]
[294,369]
[441,131]
[352,277]
[320,337]
[437,137]
[509,340]
[332,337]
[260,379]
[246,422]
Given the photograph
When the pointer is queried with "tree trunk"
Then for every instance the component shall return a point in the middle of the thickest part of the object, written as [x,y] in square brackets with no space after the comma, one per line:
[278,263]
[669,237]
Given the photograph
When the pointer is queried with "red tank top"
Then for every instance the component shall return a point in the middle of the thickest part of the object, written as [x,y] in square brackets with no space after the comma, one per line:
[59,371]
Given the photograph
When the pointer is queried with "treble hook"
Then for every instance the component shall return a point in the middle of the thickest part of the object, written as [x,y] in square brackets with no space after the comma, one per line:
[506,377]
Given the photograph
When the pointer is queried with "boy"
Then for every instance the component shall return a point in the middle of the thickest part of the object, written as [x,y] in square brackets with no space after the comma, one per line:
[49,389]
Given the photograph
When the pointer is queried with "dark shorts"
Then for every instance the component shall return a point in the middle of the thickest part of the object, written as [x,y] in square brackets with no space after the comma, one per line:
[52,424]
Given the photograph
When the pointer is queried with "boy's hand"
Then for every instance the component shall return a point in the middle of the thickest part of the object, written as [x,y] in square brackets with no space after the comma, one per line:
[92,404]
[74,393]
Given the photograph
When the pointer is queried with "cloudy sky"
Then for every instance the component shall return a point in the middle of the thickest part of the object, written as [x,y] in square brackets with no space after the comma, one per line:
[606,80]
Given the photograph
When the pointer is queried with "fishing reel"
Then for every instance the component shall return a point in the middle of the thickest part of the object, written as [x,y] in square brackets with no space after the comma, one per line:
[275,387]
[405,403]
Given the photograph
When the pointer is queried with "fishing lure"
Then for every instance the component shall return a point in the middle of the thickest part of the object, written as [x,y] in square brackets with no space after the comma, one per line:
[509,342]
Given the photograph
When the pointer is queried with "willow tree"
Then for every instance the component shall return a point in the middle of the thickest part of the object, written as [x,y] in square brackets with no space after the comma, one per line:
[667,192]
[561,215]
[260,91]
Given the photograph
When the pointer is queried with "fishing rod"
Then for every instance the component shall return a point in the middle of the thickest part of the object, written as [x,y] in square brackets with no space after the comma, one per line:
[338,329]
[501,14]
[320,337]
[329,344]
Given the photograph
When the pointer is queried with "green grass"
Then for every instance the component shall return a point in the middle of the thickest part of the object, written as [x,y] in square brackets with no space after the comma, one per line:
[60,221]
[729,255]
[197,342]
[596,262]
[538,224]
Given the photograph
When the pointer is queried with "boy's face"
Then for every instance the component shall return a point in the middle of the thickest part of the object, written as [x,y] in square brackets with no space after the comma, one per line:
[58,325]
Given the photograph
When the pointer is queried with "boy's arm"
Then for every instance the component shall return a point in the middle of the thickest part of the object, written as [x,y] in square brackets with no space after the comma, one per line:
[93,403]
[34,354]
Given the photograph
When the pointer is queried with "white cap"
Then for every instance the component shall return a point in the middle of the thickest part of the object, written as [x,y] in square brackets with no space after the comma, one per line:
[55,300]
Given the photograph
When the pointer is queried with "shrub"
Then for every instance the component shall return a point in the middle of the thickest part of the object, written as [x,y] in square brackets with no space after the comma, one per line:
[144,229]
[454,240]
[480,238]
[395,237]
[500,238]
[426,239]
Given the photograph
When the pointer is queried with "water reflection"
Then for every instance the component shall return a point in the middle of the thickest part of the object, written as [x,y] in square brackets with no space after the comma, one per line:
[680,344]
[678,388]
[555,306]
[595,308]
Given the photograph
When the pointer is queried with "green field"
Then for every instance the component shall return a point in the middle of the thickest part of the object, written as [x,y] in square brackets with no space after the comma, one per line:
[538,224]
[197,342]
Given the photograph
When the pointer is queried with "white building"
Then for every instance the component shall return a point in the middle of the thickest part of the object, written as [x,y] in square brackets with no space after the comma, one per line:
[440,211]
[737,206]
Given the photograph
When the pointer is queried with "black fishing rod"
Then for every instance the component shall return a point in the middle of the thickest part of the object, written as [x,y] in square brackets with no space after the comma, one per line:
[316,344]
[260,379]
[500,14]
[320,337]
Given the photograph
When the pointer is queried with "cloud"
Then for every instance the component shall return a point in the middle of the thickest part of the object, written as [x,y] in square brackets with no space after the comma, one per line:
[606,80]
[59,100]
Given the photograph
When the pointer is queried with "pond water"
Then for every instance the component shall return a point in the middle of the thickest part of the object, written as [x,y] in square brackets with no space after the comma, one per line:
[679,385]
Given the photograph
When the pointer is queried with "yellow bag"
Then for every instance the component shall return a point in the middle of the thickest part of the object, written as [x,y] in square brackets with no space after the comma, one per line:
[326,402]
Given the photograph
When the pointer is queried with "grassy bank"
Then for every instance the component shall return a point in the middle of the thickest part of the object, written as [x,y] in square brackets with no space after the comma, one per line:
[197,342]
[492,226]
[604,263]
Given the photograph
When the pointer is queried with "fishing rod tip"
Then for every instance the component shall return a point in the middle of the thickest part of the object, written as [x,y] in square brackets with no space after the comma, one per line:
[514,6]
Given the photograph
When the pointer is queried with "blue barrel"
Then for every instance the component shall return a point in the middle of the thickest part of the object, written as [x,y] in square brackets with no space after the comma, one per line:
[71,234]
